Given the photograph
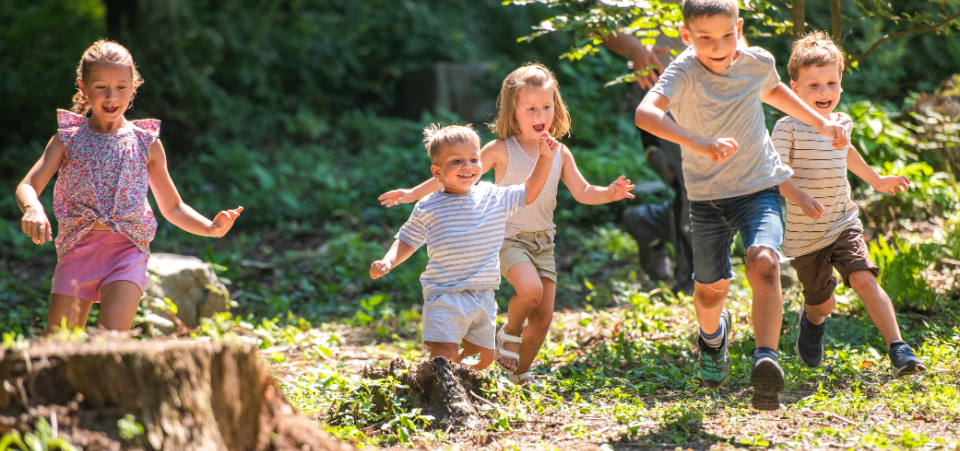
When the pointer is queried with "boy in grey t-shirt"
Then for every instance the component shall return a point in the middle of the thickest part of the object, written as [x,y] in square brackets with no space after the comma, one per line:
[463,227]
[713,90]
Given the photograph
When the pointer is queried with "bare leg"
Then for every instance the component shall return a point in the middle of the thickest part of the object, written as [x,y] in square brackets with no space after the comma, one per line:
[486,355]
[440,349]
[538,326]
[877,303]
[763,273]
[708,303]
[816,314]
[118,305]
[525,280]
[74,310]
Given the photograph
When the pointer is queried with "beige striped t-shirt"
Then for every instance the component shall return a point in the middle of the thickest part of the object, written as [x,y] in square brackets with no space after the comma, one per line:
[820,171]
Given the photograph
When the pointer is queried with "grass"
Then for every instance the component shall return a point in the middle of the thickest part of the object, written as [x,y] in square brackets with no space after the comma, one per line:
[618,368]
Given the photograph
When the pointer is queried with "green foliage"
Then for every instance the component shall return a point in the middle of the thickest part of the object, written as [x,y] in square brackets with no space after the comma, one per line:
[45,437]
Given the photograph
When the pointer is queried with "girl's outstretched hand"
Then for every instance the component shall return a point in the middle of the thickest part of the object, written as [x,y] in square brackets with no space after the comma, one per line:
[396,197]
[223,222]
[36,225]
[548,146]
[620,189]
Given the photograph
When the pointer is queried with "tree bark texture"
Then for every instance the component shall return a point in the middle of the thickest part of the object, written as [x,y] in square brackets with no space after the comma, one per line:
[799,18]
[188,395]
[836,19]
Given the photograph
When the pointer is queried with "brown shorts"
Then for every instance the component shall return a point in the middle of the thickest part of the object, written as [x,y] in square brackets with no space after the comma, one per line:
[815,270]
[533,247]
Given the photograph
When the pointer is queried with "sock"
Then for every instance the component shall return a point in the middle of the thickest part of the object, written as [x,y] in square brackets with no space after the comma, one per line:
[765,352]
[715,339]
[813,327]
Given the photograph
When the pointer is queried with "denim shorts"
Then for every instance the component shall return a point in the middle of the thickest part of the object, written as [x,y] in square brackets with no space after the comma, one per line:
[714,223]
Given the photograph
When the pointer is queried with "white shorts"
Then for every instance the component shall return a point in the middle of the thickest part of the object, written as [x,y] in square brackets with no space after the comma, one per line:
[462,315]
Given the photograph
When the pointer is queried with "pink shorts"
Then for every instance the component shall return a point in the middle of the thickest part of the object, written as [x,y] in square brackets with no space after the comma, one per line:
[101,257]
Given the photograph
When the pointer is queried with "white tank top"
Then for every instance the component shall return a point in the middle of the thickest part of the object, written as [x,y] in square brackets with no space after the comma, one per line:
[538,216]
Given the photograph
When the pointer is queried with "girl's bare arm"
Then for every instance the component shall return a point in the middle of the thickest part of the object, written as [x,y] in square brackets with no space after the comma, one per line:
[583,191]
[172,206]
[35,222]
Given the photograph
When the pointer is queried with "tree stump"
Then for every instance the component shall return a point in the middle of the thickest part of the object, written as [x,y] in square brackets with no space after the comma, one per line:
[441,388]
[189,395]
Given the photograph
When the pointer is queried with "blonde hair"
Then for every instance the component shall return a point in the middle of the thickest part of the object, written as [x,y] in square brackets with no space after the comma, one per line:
[814,49]
[697,9]
[102,51]
[530,75]
[436,138]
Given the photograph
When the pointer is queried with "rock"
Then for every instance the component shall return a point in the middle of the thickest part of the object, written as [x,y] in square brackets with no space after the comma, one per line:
[191,284]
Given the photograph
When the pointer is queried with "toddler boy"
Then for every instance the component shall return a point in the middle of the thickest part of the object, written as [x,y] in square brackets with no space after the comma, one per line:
[823,231]
[732,171]
[463,227]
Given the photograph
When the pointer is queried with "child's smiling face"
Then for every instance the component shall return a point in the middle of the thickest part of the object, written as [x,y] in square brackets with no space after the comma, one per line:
[458,167]
[535,111]
[819,87]
[109,89]
[714,40]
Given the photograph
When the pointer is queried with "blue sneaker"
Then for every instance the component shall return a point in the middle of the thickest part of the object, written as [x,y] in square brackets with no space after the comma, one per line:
[715,363]
[903,360]
[767,380]
[809,344]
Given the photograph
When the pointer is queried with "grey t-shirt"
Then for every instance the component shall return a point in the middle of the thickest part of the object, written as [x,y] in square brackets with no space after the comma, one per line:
[463,234]
[725,105]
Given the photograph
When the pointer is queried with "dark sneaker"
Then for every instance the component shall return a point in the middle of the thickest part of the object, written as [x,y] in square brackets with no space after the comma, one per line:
[715,363]
[767,381]
[903,360]
[809,344]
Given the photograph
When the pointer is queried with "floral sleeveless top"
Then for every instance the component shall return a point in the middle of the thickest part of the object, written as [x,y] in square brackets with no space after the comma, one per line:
[103,179]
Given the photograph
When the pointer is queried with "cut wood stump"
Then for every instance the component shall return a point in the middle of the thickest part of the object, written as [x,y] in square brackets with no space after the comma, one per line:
[438,386]
[188,395]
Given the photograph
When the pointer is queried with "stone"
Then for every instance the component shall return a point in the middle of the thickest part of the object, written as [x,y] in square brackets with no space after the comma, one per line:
[190,283]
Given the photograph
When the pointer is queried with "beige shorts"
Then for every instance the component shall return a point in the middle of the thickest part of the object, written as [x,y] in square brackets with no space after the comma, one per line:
[533,247]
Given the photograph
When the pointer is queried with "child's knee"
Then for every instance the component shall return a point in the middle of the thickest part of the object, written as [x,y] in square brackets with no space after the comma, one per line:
[861,280]
[709,296]
[530,293]
[763,264]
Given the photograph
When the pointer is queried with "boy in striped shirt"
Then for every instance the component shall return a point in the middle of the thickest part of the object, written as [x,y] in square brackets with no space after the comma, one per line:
[463,227]
[823,231]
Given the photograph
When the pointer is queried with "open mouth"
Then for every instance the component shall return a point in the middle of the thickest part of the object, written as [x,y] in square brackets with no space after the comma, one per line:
[824,103]
[718,60]
[111,110]
[465,176]
[539,127]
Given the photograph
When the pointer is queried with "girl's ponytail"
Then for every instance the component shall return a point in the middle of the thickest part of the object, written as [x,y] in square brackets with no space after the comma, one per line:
[80,104]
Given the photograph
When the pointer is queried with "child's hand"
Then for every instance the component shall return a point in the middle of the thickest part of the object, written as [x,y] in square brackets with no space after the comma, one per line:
[717,149]
[836,131]
[893,184]
[620,189]
[223,222]
[396,197]
[548,146]
[811,207]
[379,269]
[36,225]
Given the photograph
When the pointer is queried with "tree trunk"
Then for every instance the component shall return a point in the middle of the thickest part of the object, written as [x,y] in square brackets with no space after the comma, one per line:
[187,395]
[799,18]
[837,20]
